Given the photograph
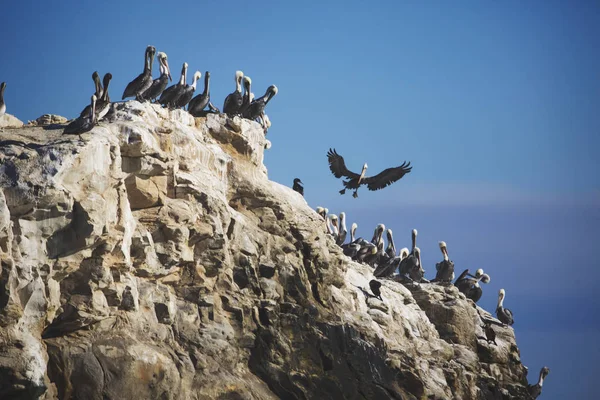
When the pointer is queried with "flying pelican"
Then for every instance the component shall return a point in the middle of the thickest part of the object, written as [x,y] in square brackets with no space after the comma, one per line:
[2,103]
[379,181]
[536,390]
[198,103]
[445,268]
[504,314]
[298,186]
[83,124]
[257,107]
[233,101]
[172,93]
[143,81]
[160,83]
[343,230]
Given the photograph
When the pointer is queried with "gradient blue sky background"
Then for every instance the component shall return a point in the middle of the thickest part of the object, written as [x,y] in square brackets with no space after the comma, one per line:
[496,104]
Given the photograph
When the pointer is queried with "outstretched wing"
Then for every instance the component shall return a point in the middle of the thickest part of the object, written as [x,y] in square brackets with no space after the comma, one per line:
[338,167]
[387,176]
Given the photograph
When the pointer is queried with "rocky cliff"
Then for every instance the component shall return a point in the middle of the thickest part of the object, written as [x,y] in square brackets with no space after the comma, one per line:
[152,258]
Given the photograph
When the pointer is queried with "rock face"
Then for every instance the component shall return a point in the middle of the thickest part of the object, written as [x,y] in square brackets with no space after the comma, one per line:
[10,121]
[153,259]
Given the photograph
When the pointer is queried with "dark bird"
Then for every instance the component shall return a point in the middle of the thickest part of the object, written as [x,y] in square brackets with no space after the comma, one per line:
[97,84]
[83,124]
[379,181]
[198,103]
[257,107]
[376,288]
[411,265]
[144,80]
[490,334]
[445,268]
[504,314]
[343,232]
[102,102]
[172,93]
[247,97]
[160,83]
[469,284]
[298,186]
[188,92]
[536,390]
[390,250]
[2,103]
[233,101]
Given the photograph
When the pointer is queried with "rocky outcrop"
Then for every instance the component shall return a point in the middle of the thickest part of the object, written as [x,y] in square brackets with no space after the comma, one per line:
[10,121]
[153,258]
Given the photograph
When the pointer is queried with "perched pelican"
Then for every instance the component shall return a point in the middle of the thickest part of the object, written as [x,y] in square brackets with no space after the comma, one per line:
[536,390]
[233,101]
[343,232]
[379,181]
[160,83]
[140,84]
[416,272]
[391,248]
[172,93]
[334,225]
[83,124]
[2,103]
[97,84]
[445,268]
[198,103]
[103,103]
[257,107]
[375,288]
[503,314]
[404,253]
[247,97]
[298,186]
[353,232]
[377,239]
[188,92]
[322,212]
[469,284]
[411,264]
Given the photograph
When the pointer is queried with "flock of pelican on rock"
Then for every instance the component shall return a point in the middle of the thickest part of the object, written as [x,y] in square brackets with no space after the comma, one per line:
[146,89]
[406,267]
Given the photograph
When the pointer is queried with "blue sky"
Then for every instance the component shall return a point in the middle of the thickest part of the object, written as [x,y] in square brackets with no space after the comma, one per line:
[496,104]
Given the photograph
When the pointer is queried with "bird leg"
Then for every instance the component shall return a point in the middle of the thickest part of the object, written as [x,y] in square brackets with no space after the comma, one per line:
[355,194]
[343,191]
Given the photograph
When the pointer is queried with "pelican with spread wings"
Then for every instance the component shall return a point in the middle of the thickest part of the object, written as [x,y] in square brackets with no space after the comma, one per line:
[379,181]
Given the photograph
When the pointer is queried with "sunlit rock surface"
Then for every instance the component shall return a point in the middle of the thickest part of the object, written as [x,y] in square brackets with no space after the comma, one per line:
[152,258]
